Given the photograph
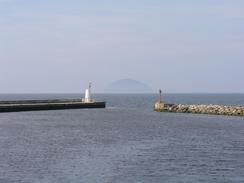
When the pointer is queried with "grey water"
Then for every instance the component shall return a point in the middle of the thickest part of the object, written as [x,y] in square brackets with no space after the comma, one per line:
[126,142]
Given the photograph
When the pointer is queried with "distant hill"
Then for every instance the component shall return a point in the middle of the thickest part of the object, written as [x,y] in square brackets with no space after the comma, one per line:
[128,86]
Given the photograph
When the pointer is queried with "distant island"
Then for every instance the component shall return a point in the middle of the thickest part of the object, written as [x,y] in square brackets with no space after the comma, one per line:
[128,86]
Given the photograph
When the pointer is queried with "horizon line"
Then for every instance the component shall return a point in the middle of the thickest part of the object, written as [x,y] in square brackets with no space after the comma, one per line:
[14,93]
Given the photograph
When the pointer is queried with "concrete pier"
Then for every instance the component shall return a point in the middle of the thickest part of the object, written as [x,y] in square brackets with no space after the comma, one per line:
[203,109]
[37,105]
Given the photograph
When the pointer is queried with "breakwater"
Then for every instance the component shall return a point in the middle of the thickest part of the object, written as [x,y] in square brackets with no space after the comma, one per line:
[37,105]
[201,109]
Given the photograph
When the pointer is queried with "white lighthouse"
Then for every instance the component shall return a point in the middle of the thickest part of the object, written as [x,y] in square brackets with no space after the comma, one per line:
[88,98]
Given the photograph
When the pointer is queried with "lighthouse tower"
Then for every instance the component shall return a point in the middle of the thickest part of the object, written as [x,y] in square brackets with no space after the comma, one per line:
[88,98]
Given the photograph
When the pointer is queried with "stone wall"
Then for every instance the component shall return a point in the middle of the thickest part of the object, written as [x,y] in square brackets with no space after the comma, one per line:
[204,109]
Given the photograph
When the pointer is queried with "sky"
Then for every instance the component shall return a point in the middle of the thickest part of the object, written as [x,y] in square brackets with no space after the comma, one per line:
[59,46]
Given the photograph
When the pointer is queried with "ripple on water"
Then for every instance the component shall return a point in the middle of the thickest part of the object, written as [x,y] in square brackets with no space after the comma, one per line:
[120,145]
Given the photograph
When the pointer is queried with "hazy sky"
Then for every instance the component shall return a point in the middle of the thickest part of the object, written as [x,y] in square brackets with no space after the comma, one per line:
[177,45]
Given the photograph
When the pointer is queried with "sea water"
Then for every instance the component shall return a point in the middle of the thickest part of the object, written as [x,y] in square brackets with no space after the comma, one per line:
[126,142]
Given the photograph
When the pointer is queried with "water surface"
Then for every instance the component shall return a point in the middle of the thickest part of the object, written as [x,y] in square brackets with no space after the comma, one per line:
[127,142]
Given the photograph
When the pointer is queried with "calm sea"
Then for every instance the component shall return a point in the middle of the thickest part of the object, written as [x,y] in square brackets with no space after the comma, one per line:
[126,142]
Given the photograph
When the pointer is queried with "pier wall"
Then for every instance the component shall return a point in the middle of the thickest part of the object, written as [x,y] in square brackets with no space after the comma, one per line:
[37,105]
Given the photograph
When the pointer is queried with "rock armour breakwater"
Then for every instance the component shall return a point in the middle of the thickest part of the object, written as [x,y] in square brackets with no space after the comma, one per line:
[203,109]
